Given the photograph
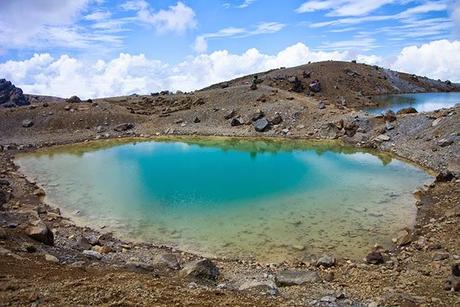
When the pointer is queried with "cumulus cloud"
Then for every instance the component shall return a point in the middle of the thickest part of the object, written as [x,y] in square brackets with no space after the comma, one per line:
[177,18]
[437,59]
[127,74]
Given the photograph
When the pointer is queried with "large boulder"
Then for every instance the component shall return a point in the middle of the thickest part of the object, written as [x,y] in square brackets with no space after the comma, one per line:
[167,260]
[297,86]
[408,110]
[11,96]
[389,116]
[261,124]
[203,269]
[40,232]
[326,261]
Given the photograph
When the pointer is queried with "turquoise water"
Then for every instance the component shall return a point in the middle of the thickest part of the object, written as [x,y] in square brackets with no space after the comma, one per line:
[422,102]
[253,199]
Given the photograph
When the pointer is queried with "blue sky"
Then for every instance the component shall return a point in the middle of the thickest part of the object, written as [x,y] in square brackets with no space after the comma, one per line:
[178,33]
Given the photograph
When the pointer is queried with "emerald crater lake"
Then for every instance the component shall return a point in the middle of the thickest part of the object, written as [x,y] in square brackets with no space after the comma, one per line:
[265,200]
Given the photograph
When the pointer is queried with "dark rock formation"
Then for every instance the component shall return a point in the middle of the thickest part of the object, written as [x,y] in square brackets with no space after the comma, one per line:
[444,176]
[237,121]
[297,86]
[11,96]
[315,86]
[374,257]
[390,116]
[276,120]
[409,110]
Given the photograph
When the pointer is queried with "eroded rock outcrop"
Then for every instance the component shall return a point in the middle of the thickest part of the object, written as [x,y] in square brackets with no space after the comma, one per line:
[11,96]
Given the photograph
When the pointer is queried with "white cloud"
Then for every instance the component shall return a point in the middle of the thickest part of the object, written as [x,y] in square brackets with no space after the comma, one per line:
[245,4]
[127,74]
[343,7]
[437,59]
[177,18]
[455,14]
[201,41]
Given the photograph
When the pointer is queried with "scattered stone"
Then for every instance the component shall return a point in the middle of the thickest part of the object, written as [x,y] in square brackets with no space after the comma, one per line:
[261,125]
[326,261]
[73,99]
[389,116]
[102,249]
[315,86]
[375,257]
[291,278]
[3,234]
[83,243]
[231,114]
[265,286]
[409,110]
[257,115]
[389,126]
[203,269]
[237,121]
[445,142]
[276,120]
[329,277]
[436,122]
[382,138]
[321,105]
[444,176]
[124,127]
[168,260]
[197,120]
[403,237]
[297,86]
[441,255]
[90,254]
[40,232]
[27,123]
[51,258]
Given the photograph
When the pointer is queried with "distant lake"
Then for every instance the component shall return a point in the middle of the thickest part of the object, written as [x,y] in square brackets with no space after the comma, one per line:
[247,198]
[422,102]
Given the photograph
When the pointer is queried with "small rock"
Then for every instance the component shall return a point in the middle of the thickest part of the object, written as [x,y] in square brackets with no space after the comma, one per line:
[124,127]
[403,237]
[409,110]
[445,176]
[374,257]
[382,138]
[261,125]
[436,122]
[439,256]
[445,142]
[276,120]
[315,86]
[257,115]
[168,260]
[321,105]
[40,232]
[102,249]
[389,126]
[290,278]
[51,258]
[389,116]
[83,243]
[266,286]
[3,234]
[237,121]
[73,99]
[27,123]
[326,261]
[92,254]
[197,120]
[231,114]
[203,269]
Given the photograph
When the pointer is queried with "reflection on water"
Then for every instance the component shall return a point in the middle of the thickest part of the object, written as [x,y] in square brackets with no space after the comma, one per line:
[422,102]
[234,197]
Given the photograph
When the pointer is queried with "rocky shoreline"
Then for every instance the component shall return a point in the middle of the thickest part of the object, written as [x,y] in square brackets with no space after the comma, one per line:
[47,259]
